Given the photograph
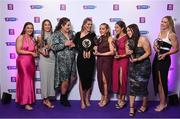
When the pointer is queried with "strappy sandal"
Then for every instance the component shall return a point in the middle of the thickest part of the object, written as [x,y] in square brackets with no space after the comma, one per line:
[48,104]
[132,113]
[142,109]
[120,105]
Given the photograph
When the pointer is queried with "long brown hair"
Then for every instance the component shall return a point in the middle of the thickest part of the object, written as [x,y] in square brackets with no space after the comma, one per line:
[42,28]
[108,28]
[24,28]
[61,23]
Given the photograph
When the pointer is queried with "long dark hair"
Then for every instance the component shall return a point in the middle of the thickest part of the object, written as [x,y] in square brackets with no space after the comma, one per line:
[122,25]
[84,22]
[135,33]
[24,28]
[61,23]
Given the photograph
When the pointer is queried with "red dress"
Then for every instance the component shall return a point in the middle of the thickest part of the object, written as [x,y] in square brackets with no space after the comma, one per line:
[120,63]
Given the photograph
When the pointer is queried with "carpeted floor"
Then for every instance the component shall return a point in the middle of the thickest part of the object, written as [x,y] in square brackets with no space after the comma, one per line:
[13,110]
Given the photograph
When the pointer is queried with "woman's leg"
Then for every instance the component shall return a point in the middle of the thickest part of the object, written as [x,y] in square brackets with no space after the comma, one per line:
[131,103]
[82,94]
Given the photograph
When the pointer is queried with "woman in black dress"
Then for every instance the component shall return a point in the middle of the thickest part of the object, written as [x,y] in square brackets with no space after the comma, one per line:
[84,42]
[139,68]
[165,45]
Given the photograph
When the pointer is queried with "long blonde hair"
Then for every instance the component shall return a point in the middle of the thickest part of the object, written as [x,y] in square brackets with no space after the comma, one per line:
[171,23]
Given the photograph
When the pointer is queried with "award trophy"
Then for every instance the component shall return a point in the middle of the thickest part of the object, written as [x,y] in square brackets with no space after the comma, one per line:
[131,46]
[158,43]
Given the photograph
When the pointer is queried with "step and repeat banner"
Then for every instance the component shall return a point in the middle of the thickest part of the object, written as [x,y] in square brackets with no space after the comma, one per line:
[146,13]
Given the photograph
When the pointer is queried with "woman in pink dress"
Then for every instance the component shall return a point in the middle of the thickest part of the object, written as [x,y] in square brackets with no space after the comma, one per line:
[120,64]
[25,48]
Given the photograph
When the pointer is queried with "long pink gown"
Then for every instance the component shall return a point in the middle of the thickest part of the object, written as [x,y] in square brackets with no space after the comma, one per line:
[25,92]
[120,63]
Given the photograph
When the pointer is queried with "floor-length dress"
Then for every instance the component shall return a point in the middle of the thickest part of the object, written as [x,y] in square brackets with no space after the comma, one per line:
[25,92]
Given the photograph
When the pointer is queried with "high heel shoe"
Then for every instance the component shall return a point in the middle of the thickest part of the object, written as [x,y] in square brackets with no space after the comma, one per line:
[83,106]
[132,112]
[104,103]
[160,108]
[28,107]
[48,104]
[142,109]
[120,105]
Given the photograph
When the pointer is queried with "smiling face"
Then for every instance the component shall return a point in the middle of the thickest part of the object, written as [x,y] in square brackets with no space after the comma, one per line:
[164,24]
[47,26]
[87,26]
[29,29]
[118,29]
[103,30]
[129,32]
[67,27]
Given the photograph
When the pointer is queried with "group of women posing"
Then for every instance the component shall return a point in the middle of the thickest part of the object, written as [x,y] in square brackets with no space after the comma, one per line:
[120,61]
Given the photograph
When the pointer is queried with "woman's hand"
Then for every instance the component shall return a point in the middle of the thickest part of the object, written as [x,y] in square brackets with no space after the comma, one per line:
[161,57]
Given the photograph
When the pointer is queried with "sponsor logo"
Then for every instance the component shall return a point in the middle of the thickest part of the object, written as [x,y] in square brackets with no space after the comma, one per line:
[36,6]
[142,7]
[113,32]
[10,19]
[144,32]
[170,6]
[37,31]
[11,90]
[142,20]
[36,19]
[63,7]
[115,7]
[11,32]
[10,6]
[13,79]
[38,91]
[11,67]
[89,7]
[10,43]
[115,19]
[12,55]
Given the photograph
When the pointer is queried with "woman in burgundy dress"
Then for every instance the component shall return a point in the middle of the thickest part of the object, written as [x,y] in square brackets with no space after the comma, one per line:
[25,48]
[120,64]
[104,53]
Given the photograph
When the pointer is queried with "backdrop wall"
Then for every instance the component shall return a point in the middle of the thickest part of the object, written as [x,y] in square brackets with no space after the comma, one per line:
[146,13]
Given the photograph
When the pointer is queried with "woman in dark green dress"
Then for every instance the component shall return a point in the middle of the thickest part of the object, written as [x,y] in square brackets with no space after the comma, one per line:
[65,70]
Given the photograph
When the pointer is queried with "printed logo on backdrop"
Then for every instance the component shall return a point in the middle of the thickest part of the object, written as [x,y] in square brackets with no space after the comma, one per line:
[10,6]
[13,79]
[36,19]
[37,31]
[139,7]
[170,6]
[11,67]
[12,56]
[115,19]
[142,19]
[36,6]
[113,32]
[86,7]
[12,90]
[11,31]
[115,7]
[10,43]
[63,7]
[7,19]
[38,91]
[143,32]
